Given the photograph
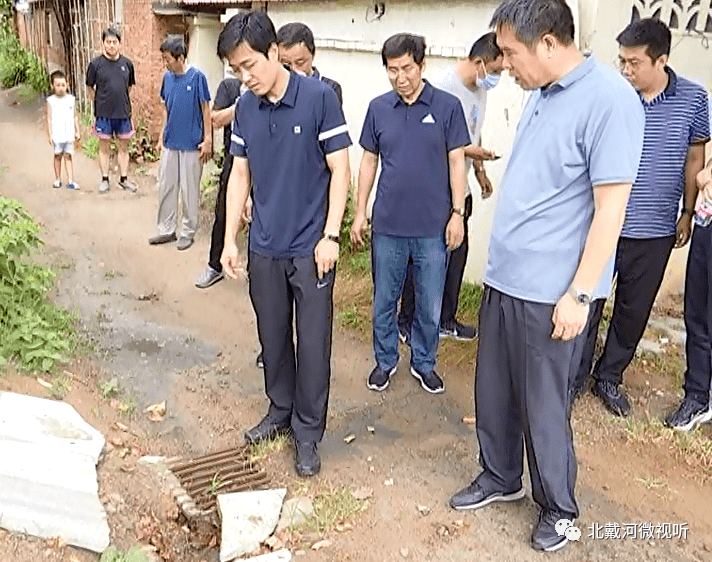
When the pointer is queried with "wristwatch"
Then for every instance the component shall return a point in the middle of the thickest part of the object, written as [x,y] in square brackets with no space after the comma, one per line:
[332,237]
[581,297]
[459,211]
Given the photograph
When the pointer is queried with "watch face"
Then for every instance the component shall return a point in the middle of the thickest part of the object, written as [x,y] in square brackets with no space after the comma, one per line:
[583,299]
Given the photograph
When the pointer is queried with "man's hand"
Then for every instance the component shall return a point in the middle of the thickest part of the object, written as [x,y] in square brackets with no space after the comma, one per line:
[569,318]
[222,117]
[326,254]
[684,229]
[485,184]
[479,153]
[704,182]
[206,150]
[455,231]
[358,229]
[231,261]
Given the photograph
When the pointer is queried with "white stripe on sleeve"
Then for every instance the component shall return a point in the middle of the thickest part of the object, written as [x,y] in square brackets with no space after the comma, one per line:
[333,132]
[237,139]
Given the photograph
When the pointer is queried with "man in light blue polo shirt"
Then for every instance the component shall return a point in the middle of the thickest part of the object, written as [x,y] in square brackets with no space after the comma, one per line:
[676,130]
[559,214]
[419,133]
[290,143]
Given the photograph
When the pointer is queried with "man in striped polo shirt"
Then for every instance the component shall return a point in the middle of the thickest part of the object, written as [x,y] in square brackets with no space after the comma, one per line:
[676,130]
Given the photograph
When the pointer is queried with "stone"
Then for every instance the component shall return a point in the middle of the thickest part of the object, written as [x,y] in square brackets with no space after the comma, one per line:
[295,512]
[280,556]
[248,518]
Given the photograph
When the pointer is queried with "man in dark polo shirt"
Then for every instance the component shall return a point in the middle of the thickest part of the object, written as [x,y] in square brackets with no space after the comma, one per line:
[110,77]
[297,50]
[290,143]
[420,135]
[676,130]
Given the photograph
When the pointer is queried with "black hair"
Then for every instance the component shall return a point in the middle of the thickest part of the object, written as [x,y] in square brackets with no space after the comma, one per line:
[291,34]
[532,19]
[55,75]
[254,28]
[404,44]
[486,48]
[650,33]
[110,32]
[174,45]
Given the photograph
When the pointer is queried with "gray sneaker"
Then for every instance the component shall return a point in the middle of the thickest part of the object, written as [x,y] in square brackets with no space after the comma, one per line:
[128,185]
[104,186]
[184,243]
[208,278]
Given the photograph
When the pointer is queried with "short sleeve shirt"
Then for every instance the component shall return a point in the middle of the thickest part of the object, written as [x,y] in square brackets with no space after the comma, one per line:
[674,120]
[226,96]
[286,145]
[112,80]
[413,197]
[474,104]
[583,131]
[184,94]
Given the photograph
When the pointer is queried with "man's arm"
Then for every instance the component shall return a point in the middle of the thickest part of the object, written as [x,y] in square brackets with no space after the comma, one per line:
[455,231]
[77,131]
[223,117]
[164,120]
[694,165]
[206,147]
[366,178]
[238,189]
[609,213]
[326,252]
[91,92]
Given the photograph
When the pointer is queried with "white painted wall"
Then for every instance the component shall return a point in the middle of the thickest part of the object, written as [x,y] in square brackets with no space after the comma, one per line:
[203,32]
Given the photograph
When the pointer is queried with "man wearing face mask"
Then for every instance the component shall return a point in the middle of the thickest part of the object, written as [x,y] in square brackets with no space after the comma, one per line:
[469,81]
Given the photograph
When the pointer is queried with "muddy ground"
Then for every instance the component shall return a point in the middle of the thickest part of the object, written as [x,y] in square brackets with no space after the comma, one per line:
[163,339]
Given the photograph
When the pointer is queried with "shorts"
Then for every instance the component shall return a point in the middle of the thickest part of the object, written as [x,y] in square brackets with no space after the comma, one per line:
[105,128]
[64,147]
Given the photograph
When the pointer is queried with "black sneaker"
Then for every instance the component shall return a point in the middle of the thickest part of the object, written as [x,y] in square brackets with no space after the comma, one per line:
[267,429]
[404,334]
[689,415]
[260,361]
[379,379]
[545,536]
[462,332]
[613,398]
[475,497]
[431,382]
[306,458]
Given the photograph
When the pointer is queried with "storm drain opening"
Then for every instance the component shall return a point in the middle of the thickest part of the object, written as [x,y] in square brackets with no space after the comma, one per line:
[203,478]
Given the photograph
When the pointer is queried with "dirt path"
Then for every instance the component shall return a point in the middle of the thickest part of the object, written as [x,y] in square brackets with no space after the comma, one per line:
[165,340]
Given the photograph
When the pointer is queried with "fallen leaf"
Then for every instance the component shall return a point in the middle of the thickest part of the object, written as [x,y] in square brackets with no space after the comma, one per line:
[44,383]
[469,420]
[363,493]
[321,544]
[388,482]
[424,510]
[121,426]
[404,552]
[459,523]
[371,429]
[350,438]
[156,412]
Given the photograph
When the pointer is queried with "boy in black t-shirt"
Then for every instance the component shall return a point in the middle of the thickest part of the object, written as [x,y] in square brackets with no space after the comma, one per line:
[110,77]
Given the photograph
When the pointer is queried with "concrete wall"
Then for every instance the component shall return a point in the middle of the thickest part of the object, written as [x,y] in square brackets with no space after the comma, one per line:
[203,31]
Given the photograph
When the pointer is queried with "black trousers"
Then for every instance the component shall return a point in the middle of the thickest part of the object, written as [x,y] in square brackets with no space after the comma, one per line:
[217,239]
[297,384]
[523,398]
[641,266]
[453,282]
[590,335]
[698,316]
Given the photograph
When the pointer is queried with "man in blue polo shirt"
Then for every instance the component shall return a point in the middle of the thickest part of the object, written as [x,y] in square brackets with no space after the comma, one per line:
[420,134]
[185,142]
[676,130]
[559,214]
[290,143]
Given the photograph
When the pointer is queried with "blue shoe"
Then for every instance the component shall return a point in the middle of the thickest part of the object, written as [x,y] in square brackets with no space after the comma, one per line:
[72,185]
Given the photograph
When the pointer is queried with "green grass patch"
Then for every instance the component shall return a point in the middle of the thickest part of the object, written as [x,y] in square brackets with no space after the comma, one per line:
[90,146]
[263,449]
[133,554]
[333,506]
[34,332]
[17,65]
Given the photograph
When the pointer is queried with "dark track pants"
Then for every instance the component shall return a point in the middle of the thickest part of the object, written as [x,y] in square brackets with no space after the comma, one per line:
[296,384]
[641,266]
[698,316]
[522,398]
[217,239]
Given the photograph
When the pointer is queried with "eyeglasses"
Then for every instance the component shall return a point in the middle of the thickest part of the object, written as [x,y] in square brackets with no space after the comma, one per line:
[634,64]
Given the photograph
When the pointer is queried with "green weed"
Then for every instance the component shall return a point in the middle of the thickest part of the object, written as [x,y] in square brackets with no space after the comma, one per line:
[109,389]
[90,145]
[133,554]
[332,507]
[17,65]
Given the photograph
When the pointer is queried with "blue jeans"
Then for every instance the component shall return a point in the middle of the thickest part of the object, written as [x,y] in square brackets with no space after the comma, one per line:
[390,261]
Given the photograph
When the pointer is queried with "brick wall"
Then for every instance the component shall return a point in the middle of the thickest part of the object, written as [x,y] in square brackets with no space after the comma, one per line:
[143,34]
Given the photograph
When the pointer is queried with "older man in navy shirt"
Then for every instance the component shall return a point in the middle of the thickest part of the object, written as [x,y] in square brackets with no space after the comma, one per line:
[298,203]
[559,214]
[420,135]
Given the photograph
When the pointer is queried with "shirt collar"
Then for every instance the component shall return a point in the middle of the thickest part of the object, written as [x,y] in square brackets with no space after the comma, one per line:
[290,96]
[669,91]
[581,70]
[315,73]
[425,97]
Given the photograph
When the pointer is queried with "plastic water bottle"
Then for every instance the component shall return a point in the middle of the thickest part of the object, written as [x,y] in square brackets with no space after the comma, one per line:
[703,213]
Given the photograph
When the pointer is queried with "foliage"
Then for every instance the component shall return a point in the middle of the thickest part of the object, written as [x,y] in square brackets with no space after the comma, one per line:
[356,259]
[133,554]
[33,330]
[140,146]
[18,65]
[90,145]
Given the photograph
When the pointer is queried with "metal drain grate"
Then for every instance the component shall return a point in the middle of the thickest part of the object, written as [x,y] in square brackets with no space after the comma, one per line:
[203,478]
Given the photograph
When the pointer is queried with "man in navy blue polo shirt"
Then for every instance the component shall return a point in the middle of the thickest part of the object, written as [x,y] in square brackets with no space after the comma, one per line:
[676,130]
[420,135]
[559,214]
[290,143]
